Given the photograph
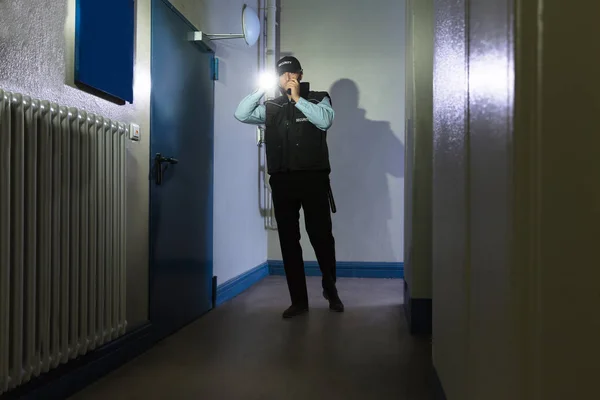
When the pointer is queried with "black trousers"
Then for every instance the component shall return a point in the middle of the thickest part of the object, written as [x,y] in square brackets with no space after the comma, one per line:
[309,191]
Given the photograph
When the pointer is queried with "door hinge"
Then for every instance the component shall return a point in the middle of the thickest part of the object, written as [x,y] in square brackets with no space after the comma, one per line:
[215,69]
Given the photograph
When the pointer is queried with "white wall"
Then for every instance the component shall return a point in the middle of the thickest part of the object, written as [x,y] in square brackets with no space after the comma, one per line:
[240,241]
[355,50]
[36,55]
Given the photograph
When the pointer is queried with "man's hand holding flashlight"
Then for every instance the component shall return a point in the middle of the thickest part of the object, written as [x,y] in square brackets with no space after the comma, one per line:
[294,86]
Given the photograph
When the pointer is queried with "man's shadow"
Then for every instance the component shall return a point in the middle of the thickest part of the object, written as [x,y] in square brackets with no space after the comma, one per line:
[364,154]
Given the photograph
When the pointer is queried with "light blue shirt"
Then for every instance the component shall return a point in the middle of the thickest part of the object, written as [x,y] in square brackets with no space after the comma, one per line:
[250,111]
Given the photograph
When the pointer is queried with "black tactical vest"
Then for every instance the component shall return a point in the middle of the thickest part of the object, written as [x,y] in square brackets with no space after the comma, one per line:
[293,142]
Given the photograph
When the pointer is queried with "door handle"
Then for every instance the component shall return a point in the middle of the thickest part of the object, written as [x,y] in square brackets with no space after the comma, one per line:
[159,160]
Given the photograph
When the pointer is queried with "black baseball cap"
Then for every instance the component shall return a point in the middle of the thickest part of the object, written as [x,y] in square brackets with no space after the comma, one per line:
[288,64]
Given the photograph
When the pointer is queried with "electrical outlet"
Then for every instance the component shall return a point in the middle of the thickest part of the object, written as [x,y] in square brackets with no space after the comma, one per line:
[134,132]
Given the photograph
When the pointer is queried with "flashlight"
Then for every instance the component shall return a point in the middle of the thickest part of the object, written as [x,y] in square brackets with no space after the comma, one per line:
[267,81]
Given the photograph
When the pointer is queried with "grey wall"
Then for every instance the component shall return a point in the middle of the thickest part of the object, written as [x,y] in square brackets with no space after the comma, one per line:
[36,55]
[516,195]
[355,51]
[36,58]
[557,190]
[450,193]
[419,147]
[472,208]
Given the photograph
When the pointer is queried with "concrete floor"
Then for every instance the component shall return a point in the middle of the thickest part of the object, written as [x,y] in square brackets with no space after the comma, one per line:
[244,350]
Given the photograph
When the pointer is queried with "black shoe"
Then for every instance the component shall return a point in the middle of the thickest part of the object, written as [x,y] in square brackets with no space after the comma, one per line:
[294,311]
[335,304]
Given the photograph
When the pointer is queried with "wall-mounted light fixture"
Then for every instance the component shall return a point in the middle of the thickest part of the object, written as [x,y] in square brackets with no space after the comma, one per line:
[250,29]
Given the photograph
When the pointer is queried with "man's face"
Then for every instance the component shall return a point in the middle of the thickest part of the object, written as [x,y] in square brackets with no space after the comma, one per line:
[287,76]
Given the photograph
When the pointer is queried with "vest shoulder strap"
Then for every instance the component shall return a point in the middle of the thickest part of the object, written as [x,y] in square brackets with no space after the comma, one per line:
[278,101]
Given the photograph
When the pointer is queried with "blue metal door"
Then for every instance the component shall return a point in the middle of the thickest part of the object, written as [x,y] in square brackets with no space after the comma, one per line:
[181,182]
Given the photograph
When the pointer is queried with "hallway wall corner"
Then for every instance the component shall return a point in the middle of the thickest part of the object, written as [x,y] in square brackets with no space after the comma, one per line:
[438,389]
[235,286]
[418,313]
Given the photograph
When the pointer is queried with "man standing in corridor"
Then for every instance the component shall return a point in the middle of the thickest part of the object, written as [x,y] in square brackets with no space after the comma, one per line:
[296,125]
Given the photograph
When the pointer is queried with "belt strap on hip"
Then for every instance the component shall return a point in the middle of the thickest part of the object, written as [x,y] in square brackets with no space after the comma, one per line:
[331,200]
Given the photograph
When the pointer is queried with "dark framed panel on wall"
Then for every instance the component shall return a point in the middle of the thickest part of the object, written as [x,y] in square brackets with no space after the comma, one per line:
[104,48]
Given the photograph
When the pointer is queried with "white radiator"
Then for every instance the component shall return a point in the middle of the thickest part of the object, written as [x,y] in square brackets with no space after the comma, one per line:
[62,235]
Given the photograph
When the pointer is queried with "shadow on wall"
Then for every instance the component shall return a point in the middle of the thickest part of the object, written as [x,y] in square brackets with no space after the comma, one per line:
[363,154]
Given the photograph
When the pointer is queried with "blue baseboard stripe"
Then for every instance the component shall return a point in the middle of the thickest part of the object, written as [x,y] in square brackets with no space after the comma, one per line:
[233,287]
[391,270]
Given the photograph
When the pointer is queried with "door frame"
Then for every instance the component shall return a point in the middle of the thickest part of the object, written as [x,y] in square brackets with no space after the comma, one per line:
[205,45]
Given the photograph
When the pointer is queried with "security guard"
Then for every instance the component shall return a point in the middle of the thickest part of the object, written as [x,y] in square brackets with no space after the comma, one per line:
[296,125]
